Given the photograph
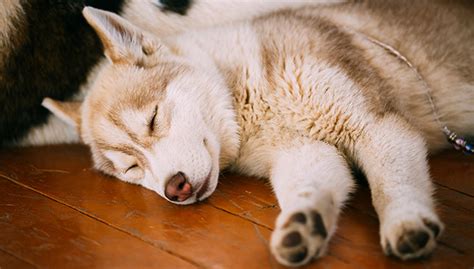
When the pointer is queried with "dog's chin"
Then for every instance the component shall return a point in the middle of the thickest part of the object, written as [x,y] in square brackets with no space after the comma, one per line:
[209,186]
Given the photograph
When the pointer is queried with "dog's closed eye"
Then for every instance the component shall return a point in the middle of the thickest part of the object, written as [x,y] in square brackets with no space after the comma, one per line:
[133,173]
[131,167]
[126,165]
[151,124]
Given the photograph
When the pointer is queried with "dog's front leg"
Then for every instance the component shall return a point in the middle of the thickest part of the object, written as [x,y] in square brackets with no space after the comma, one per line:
[393,156]
[311,183]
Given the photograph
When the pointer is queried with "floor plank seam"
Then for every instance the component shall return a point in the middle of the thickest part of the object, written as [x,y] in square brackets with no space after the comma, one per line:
[265,243]
[242,217]
[444,244]
[455,190]
[19,258]
[103,221]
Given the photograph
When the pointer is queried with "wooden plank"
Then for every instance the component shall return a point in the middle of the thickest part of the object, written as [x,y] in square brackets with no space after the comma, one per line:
[48,234]
[10,261]
[210,237]
[454,170]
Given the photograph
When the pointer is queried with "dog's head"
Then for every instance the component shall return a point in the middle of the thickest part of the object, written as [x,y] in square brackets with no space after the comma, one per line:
[151,117]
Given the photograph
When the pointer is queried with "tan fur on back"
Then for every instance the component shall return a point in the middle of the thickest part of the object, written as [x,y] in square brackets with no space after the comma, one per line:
[438,38]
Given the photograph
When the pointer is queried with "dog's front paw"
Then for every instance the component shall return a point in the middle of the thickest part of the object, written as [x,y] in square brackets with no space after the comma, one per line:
[411,239]
[300,237]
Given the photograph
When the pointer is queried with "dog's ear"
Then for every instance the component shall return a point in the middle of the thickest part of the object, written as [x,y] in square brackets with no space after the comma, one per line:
[123,42]
[69,112]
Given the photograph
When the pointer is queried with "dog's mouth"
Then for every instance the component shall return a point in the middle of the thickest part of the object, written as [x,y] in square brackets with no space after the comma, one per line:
[204,187]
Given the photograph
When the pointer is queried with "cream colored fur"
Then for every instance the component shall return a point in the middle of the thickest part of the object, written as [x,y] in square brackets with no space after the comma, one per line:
[295,96]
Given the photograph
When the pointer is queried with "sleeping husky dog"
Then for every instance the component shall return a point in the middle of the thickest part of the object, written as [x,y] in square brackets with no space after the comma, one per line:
[294,96]
[48,49]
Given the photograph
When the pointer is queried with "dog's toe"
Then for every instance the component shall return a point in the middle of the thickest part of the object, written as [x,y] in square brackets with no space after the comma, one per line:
[412,241]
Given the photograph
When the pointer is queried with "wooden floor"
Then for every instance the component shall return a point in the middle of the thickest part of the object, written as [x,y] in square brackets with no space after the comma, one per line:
[56,212]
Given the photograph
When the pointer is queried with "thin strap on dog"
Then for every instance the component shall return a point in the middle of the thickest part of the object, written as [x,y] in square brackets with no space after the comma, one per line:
[458,142]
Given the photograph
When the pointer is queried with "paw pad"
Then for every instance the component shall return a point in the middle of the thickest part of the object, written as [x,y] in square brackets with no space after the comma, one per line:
[302,236]
[298,256]
[435,228]
[291,239]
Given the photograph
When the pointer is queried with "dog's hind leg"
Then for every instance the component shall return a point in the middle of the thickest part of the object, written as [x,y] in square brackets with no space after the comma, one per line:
[311,183]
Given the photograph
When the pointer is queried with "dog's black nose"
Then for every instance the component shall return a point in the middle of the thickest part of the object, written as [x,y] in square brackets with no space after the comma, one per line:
[177,6]
[178,188]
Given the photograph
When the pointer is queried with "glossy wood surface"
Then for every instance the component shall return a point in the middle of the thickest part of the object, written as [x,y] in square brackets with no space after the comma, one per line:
[57,212]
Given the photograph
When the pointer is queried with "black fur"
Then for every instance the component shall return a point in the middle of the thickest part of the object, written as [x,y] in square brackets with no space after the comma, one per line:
[177,6]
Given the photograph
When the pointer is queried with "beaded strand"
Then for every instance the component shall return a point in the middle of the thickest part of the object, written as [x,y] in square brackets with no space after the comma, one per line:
[459,143]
